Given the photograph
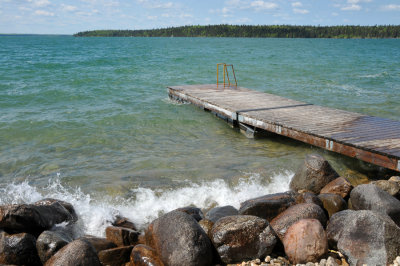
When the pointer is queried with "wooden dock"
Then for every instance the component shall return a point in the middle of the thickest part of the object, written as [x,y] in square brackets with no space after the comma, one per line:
[372,139]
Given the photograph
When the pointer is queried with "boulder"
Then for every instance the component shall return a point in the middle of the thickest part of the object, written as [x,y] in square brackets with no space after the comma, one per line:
[305,241]
[121,236]
[18,249]
[340,186]
[332,203]
[207,225]
[243,237]
[66,205]
[313,175]
[196,213]
[76,253]
[99,243]
[391,187]
[179,240]
[283,221]
[268,206]
[31,218]
[124,222]
[217,213]
[370,197]
[364,237]
[395,179]
[49,242]
[308,197]
[143,255]
[115,256]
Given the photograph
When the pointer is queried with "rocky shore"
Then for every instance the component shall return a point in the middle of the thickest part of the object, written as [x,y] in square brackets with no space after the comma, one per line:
[322,220]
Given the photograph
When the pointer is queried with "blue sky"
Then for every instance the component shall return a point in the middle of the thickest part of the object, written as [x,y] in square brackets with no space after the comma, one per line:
[68,17]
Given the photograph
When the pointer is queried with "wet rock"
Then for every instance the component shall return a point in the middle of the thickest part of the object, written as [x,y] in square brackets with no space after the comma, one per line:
[295,213]
[207,225]
[391,187]
[241,237]
[268,206]
[332,203]
[305,241]
[49,242]
[33,219]
[395,179]
[370,197]
[364,237]
[99,243]
[313,175]
[143,255]
[68,206]
[115,256]
[217,213]
[339,186]
[196,213]
[18,249]
[308,197]
[179,240]
[124,222]
[76,253]
[121,236]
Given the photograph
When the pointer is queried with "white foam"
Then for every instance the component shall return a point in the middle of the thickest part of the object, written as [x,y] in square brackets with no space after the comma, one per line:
[146,204]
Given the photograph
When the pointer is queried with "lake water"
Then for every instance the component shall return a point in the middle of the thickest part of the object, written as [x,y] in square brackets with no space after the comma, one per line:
[88,120]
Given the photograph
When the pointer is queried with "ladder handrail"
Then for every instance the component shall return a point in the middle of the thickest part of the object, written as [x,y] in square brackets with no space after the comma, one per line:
[226,73]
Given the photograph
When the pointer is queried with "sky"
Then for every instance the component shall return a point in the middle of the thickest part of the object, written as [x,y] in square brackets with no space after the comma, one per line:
[68,17]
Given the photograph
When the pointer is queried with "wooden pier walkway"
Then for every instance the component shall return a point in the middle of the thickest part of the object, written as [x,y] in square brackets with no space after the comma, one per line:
[368,138]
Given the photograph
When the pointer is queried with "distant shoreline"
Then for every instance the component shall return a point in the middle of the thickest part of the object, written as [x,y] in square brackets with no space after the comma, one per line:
[257,31]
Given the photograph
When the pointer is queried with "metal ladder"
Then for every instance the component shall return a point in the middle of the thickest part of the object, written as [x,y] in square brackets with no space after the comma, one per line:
[226,74]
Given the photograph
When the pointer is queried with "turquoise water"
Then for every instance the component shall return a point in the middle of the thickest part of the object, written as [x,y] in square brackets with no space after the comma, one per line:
[90,117]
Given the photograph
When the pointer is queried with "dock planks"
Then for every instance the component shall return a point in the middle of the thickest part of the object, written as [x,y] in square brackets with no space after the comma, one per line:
[372,139]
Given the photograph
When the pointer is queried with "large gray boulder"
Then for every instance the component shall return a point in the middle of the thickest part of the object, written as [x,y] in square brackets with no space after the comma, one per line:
[371,197]
[364,237]
[76,253]
[268,206]
[179,240]
[243,237]
[313,175]
[195,212]
[283,221]
[49,242]
[18,249]
[34,218]
[218,212]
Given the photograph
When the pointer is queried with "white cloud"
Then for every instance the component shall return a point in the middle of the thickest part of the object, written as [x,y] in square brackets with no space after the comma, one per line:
[358,1]
[335,14]
[352,7]
[40,3]
[68,8]
[391,7]
[300,11]
[297,4]
[155,4]
[44,13]
[262,5]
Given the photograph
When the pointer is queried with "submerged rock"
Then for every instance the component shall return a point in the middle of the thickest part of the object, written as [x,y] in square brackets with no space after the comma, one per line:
[364,237]
[295,213]
[179,240]
[305,241]
[219,212]
[242,237]
[340,186]
[18,249]
[313,175]
[268,206]
[370,197]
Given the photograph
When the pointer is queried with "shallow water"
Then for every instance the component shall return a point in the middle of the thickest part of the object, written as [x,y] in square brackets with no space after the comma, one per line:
[88,120]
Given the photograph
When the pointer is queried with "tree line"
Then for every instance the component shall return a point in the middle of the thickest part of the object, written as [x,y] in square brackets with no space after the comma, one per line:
[256,31]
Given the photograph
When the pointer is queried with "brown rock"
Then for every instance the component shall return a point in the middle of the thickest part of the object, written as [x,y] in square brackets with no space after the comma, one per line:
[339,186]
[295,213]
[332,203]
[49,242]
[268,206]
[68,206]
[143,255]
[121,236]
[19,249]
[305,241]
[243,237]
[179,240]
[313,175]
[124,222]
[308,197]
[115,256]
[99,243]
[395,179]
[391,187]
[76,253]
[207,225]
